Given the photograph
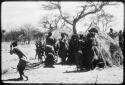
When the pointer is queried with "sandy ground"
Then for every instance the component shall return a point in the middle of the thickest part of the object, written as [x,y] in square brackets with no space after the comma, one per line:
[59,74]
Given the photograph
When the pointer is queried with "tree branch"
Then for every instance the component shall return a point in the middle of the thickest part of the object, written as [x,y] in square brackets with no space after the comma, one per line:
[94,11]
[81,13]
[64,17]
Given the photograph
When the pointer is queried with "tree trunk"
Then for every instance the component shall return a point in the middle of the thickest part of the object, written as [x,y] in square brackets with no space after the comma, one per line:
[74,28]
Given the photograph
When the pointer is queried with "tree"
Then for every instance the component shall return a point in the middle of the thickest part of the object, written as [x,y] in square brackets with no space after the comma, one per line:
[87,8]
[104,19]
[52,22]
[26,33]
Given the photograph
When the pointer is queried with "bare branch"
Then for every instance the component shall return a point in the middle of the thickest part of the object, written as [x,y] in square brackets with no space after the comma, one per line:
[94,11]
[87,9]
[49,7]
[63,16]
[82,12]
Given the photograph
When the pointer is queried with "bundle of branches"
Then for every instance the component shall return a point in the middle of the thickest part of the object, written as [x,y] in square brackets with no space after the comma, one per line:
[31,65]
[108,50]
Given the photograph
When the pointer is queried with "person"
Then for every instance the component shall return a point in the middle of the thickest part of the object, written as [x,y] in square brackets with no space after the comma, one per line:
[111,33]
[22,60]
[79,52]
[39,50]
[91,51]
[62,48]
[49,51]
[98,57]
[49,39]
[121,40]
[13,43]
[73,49]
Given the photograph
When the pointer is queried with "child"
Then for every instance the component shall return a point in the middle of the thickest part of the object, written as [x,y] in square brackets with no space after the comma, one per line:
[22,62]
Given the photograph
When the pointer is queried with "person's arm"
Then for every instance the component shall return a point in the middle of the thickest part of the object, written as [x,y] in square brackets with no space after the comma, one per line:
[16,49]
[11,48]
[25,56]
[11,51]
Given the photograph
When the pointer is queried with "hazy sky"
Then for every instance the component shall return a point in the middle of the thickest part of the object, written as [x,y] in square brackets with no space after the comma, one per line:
[19,13]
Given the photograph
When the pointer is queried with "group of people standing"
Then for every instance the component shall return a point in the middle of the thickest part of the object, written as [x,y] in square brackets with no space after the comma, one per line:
[70,50]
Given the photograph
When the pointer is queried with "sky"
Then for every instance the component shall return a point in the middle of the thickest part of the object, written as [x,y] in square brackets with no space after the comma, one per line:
[17,13]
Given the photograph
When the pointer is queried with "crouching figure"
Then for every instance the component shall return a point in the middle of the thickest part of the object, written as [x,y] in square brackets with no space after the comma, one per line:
[49,52]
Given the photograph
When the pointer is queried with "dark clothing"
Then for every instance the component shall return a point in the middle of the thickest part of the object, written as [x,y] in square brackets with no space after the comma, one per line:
[75,46]
[49,41]
[111,34]
[21,66]
[87,53]
[62,43]
[49,61]
[49,49]
[62,50]
[39,49]
[121,41]
[49,52]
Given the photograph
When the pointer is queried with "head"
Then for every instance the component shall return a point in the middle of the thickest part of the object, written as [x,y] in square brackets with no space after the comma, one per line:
[111,30]
[75,37]
[91,35]
[14,44]
[120,31]
[62,35]
[93,30]
[80,36]
[50,34]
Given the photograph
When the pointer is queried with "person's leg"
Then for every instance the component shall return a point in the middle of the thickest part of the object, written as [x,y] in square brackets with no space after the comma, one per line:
[42,56]
[36,53]
[24,74]
[23,68]
[39,56]
[19,70]
[64,57]
[61,60]
[20,73]
[51,59]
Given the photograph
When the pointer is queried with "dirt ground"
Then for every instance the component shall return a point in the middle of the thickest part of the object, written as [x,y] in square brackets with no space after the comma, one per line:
[59,74]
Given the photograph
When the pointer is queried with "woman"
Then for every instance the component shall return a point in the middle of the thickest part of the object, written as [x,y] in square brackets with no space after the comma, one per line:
[49,51]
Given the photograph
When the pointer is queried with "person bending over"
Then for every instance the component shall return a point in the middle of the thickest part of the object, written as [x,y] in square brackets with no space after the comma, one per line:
[22,60]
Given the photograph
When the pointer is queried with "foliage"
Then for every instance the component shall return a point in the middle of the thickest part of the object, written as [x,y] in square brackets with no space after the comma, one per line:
[51,22]
[26,30]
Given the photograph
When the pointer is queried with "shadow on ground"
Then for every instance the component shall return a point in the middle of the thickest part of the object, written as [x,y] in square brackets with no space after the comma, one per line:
[13,79]
[75,71]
